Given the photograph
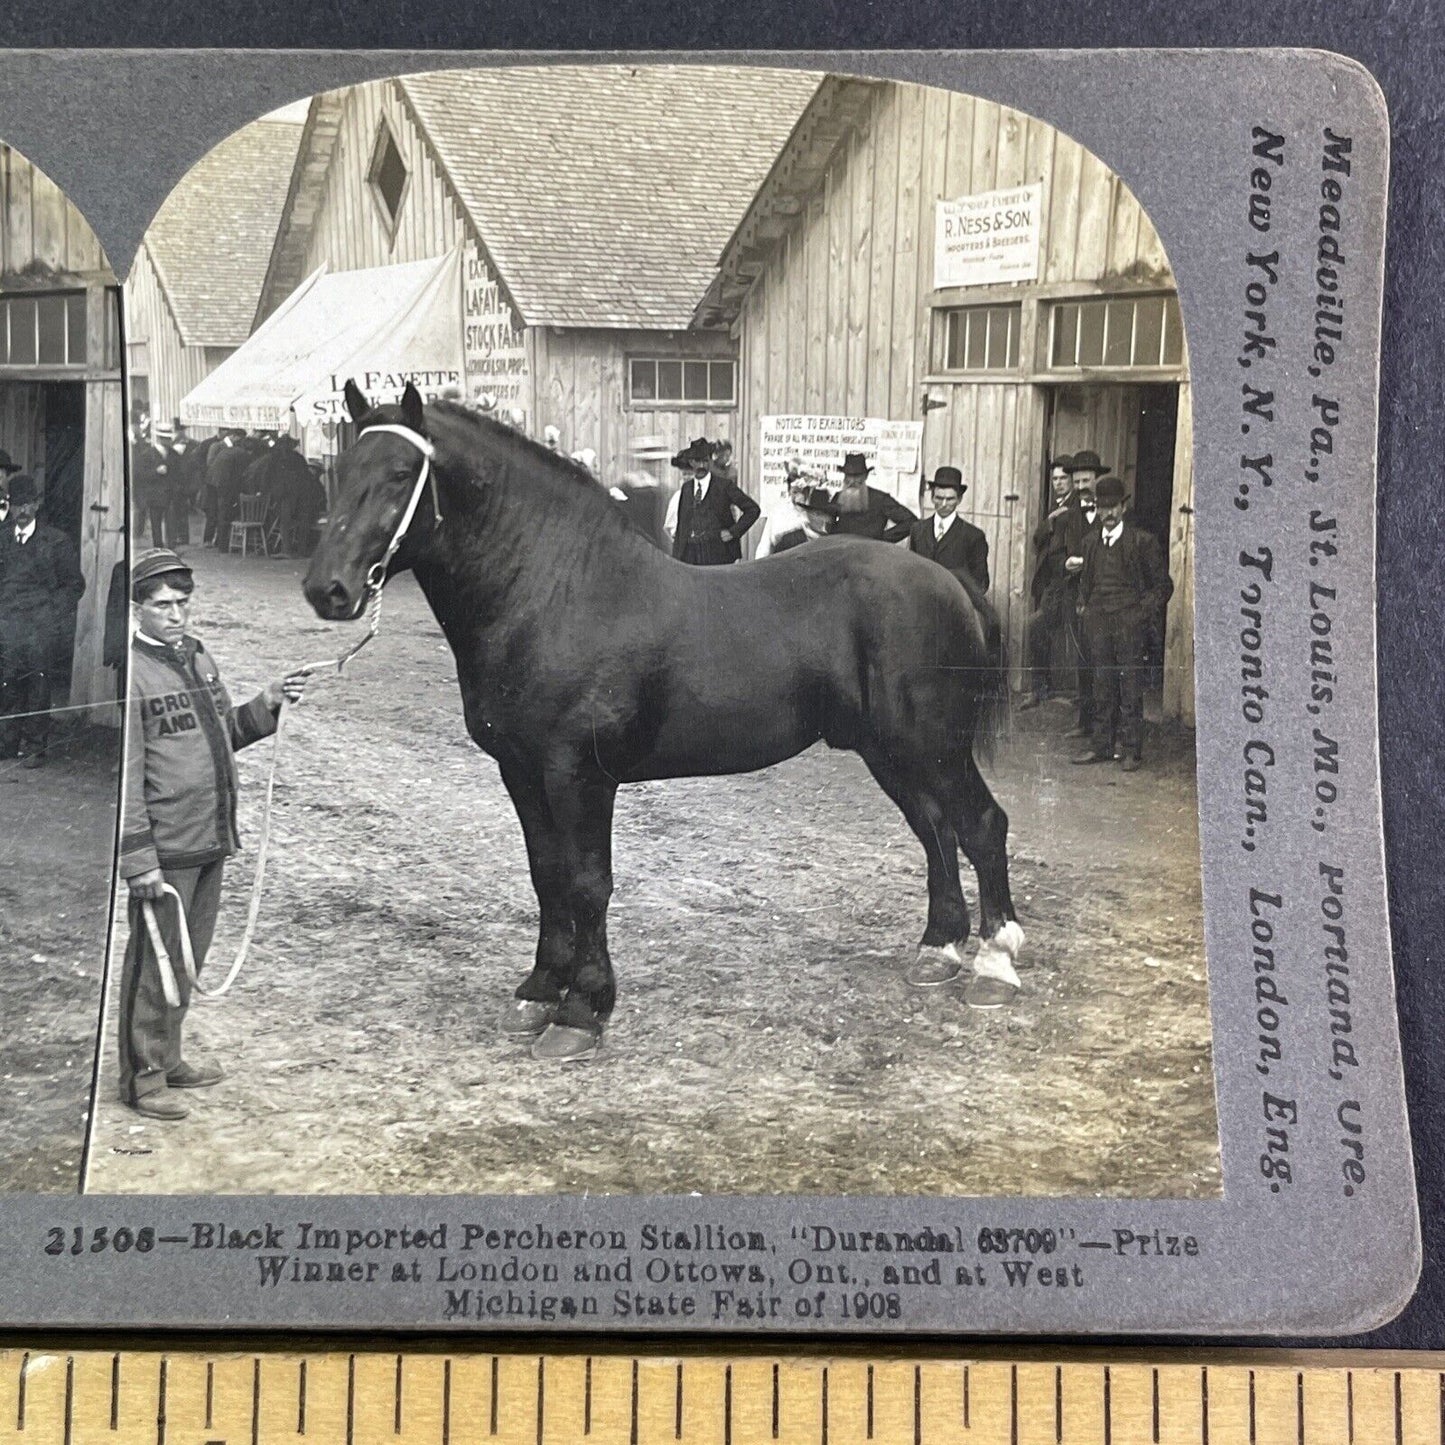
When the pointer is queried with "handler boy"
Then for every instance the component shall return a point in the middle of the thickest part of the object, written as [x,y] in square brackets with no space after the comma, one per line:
[180,820]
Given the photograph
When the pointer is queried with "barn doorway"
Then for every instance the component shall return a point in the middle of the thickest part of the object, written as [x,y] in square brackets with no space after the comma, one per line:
[1133,428]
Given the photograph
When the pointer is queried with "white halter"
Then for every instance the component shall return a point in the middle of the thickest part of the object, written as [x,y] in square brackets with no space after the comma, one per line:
[376,574]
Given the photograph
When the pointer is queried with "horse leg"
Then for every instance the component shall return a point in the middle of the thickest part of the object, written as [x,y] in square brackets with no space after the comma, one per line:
[940,952]
[582,808]
[982,829]
[539,996]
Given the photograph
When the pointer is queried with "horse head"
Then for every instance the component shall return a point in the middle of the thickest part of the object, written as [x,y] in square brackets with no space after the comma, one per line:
[380,480]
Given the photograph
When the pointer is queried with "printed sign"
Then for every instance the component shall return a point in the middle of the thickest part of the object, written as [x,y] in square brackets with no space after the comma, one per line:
[988,238]
[891,447]
[496,358]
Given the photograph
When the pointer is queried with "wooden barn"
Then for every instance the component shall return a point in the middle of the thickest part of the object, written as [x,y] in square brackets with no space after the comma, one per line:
[917,256]
[191,295]
[61,408]
[587,206]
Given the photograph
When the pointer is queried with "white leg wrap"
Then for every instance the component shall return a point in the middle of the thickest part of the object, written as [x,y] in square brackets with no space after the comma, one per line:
[1010,938]
[991,961]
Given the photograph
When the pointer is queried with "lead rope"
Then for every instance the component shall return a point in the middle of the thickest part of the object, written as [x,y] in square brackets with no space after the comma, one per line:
[375,583]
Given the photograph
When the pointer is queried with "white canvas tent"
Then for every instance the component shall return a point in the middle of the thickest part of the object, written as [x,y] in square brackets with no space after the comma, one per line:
[380,327]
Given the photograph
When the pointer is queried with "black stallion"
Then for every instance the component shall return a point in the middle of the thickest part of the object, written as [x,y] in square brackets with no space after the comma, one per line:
[587,658]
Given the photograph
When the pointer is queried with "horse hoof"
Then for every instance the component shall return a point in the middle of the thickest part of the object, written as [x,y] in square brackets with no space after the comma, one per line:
[525,1018]
[989,993]
[935,966]
[562,1044]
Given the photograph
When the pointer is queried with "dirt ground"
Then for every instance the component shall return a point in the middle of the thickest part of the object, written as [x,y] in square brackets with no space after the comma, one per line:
[57,832]
[764,1038]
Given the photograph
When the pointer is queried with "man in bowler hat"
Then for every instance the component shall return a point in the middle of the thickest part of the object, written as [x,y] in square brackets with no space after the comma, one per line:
[865,511]
[40,585]
[1123,584]
[710,514]
[946,538]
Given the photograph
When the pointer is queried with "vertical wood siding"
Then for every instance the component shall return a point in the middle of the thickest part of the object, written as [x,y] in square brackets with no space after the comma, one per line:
[43,232]
[171,367]
[839,321]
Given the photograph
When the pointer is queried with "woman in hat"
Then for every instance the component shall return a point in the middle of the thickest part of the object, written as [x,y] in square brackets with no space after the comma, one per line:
[864,511]
[179,821]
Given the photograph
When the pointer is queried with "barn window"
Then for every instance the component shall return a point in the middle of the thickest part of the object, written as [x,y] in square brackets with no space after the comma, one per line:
[1115,333]
[43,330]
[677,381]
[388,174]
[981,338]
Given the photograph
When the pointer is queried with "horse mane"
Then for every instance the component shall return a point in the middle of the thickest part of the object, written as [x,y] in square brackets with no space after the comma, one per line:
[517,444]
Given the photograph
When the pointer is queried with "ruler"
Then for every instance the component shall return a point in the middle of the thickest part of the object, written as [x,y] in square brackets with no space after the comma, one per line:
[190,1396]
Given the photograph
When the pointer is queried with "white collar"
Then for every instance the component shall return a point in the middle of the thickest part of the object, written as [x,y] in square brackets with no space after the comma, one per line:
[942,524]
[1112,534]
[25,533]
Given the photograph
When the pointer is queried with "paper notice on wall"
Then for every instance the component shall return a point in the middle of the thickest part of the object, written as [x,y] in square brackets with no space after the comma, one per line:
[821,442]
[989,238]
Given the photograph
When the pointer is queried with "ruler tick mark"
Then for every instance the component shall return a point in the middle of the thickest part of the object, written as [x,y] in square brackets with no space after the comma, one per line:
[350,1398]
[1399,1412]
[775,1400]
[446,1402]
[918,1405]
[492,1422]
[1155,1391]
[20,1392]
[69,1397]
[161,1407]
[1108,1408]
[1350,1404]
[541,1395]
[210,1392]
[1013,1404]
[1204,1405]
[301,1398]
[677,1406]
[1251,1409]
[396,1394]
[870,1403]
[825,1405]
[115,1392]
[966,1425]
[256,1401]
[632,1433]
[1299,1406]
[587,1398]
[1058,1404]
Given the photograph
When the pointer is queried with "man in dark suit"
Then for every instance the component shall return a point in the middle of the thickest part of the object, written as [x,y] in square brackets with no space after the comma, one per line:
[185,482]
[225,470]
[1123,584]
[1053,653]
[1082,519]
[150,471]
[945,537]
[865,511]
[712,513]
[40,585]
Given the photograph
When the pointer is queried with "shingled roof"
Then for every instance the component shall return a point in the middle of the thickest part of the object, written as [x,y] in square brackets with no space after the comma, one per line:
[211,241]
[605,193]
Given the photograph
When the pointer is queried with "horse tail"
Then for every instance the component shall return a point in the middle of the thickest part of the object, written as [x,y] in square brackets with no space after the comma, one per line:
[990,681]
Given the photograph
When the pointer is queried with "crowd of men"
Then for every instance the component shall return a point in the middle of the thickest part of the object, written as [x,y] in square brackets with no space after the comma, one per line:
[40,586]
[174,476]
[1100,583]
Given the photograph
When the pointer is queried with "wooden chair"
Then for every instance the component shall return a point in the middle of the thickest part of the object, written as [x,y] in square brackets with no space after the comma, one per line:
[250,522]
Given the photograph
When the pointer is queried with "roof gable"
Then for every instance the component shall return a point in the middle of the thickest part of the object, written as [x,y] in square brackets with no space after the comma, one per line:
[211,241]
[605,193]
